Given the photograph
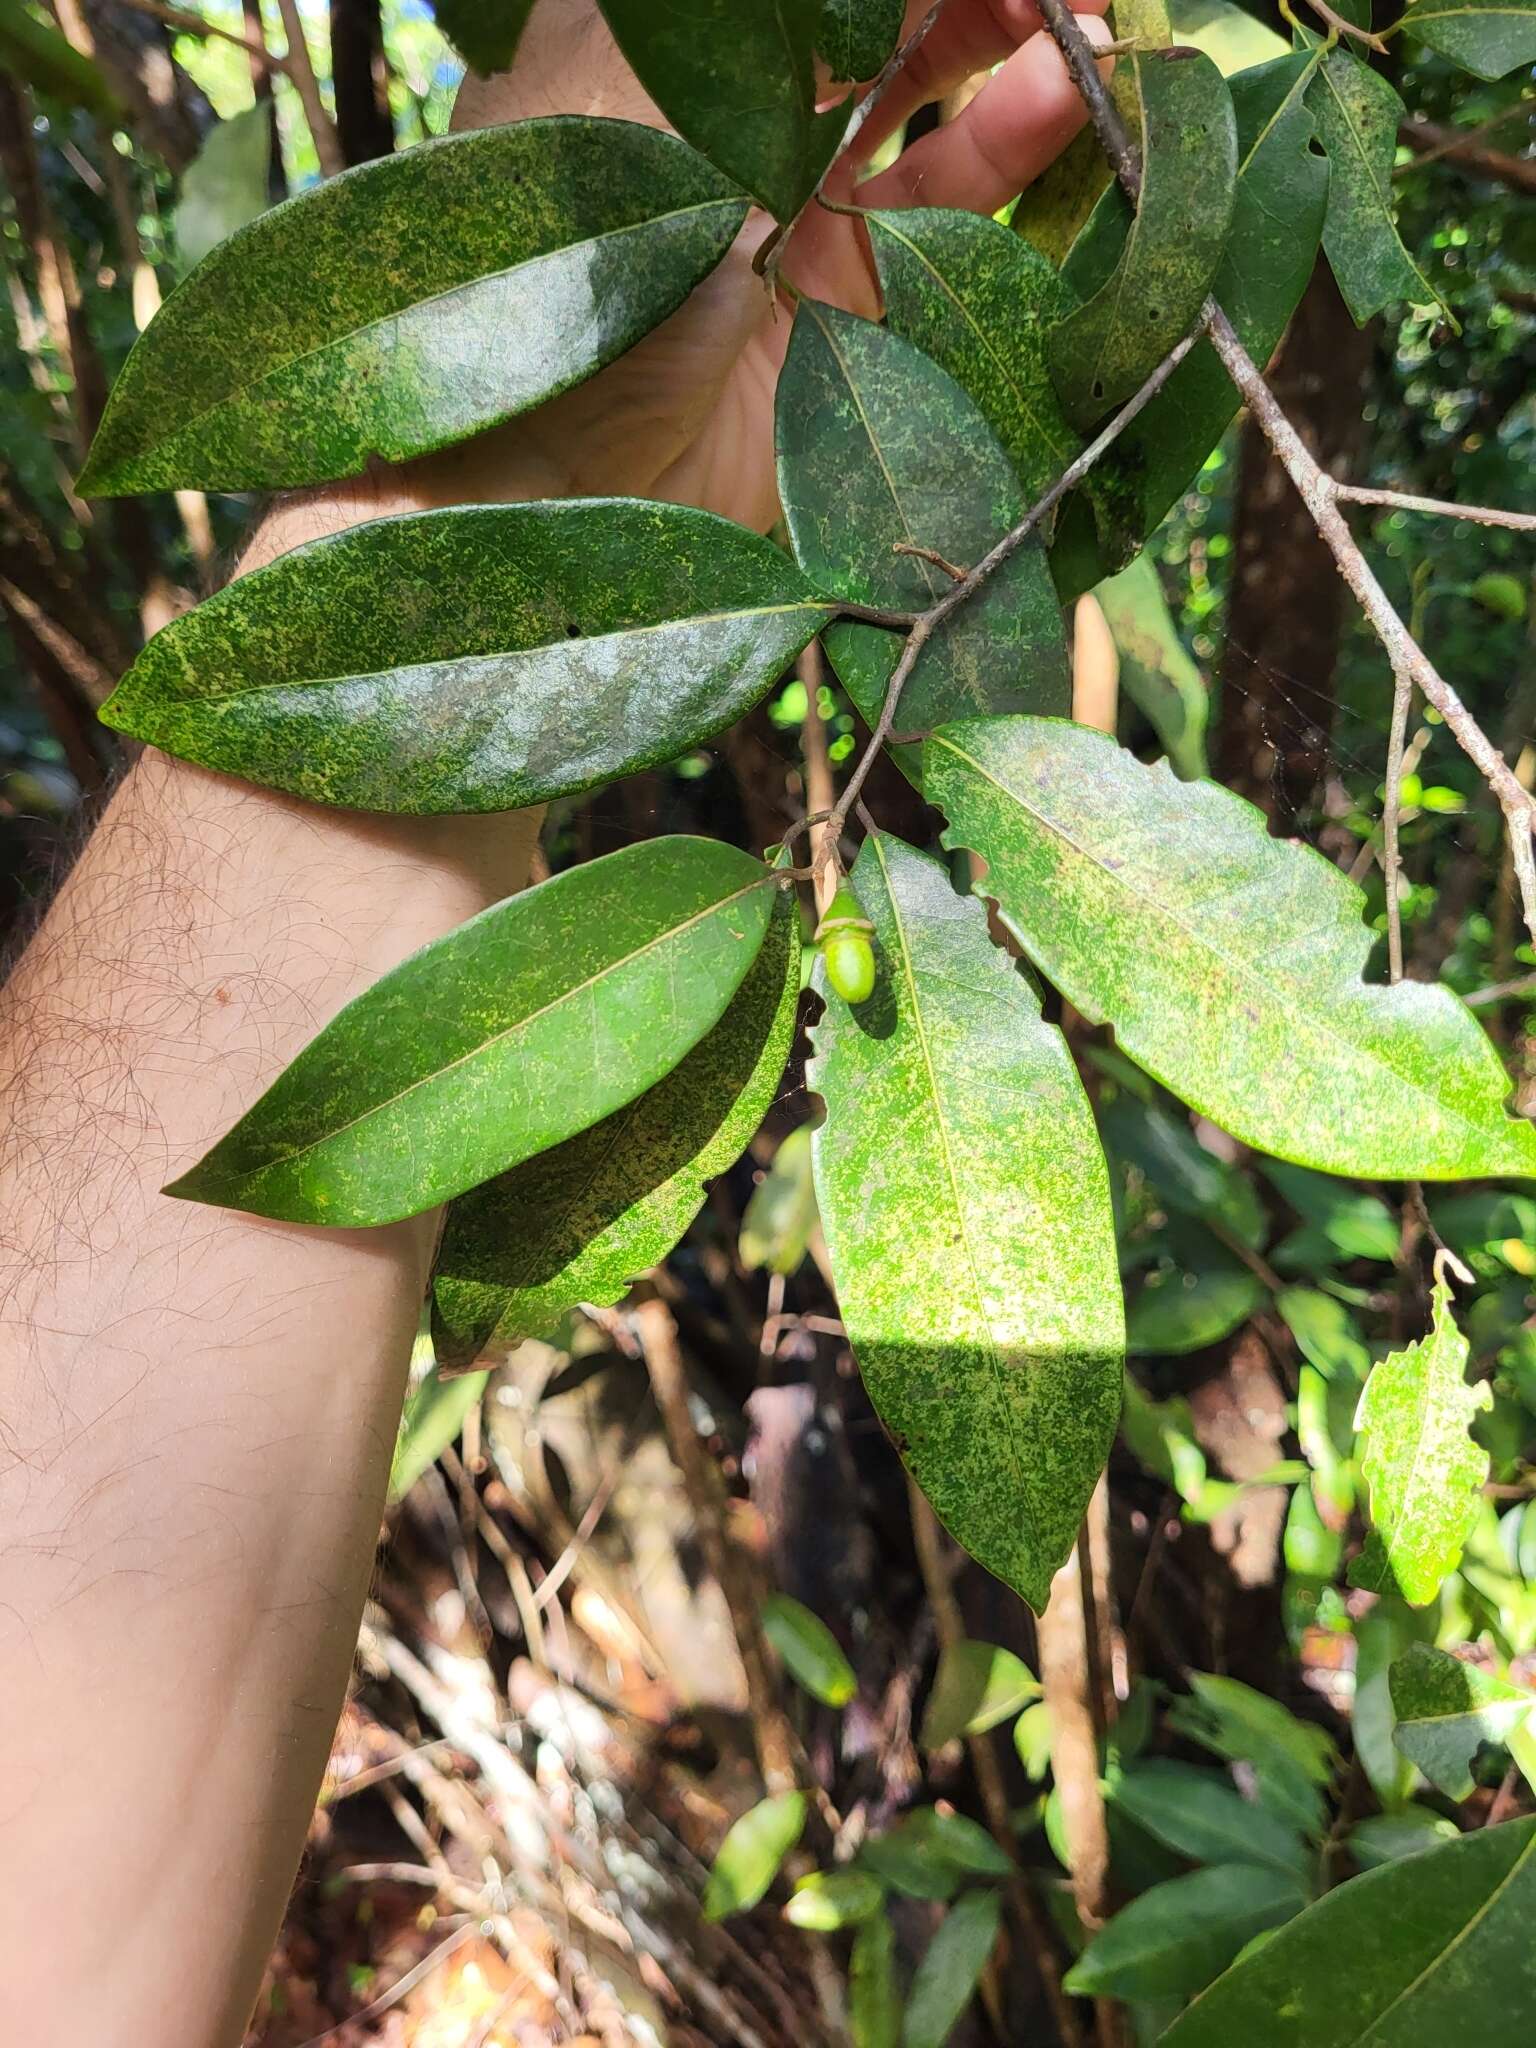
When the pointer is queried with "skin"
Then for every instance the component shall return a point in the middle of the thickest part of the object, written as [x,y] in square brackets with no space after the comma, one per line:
[197,1408]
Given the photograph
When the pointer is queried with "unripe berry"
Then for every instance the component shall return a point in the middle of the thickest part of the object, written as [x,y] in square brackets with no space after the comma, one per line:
[843,935]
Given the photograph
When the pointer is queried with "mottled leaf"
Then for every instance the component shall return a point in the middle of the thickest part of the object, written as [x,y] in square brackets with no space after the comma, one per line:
[749,1858]
[1175,1938]
[529,1023]
[737,80]
[827,1900]
[478,659]
[857,36]
[1232,966]
[485,33]
[1358,113]
[1485,39]
[977,1685]
[780,1214]
[1197,1813]
[225,185]
[579,1222]
[443,290]
[811,1653]
[1156,671]
[1432,1948]
[874,1996]
[945,1980]
[1447,1709]
[879,446]
[1142,290]
[1424,1472]
[965,1203]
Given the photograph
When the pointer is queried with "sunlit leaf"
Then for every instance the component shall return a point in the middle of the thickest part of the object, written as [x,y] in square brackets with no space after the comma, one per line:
[827,1900]
[811,1653]
[780,1214]
[749,1858]
[1485,37]
[1447,1709]
[225,185]
[977,1685]
[434,1418]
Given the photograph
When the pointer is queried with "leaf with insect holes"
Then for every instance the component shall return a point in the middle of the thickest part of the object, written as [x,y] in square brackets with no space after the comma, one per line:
[1424,1471]
[974,1260]
[1231,965]
[1141,295]
[581,1221]
[1486,37]
[857,36]
[479,659]
[1446,1709]
[1358,114]
[444,290]
[878,449]
[529,1023]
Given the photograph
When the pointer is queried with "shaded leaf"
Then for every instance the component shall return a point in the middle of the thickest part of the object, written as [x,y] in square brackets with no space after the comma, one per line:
[1162,1435]
[877,445]
[781,1210]
[1142,289]
[974,1260]
[1191,1180]
[35,51]
[1487,40]
[977,1685]
[1431,1948]
[1200,1295]
[749,1858]
[874,1996]
[1358,113]
[1156,670]
[811,1653]
[1232,966]
[532,1021]
[445,290]
[1447,1709]
[829,1899]
[225,185]
[1200,1815]
[485,33]
[1326,1332]
[737,80]
[478,659]
[1349,1222]
[1386,1837]
[946,1978]
[857,36]
[579,1222]
[904,1863]
[955,1839]
[1179,1935]
[1292,1760]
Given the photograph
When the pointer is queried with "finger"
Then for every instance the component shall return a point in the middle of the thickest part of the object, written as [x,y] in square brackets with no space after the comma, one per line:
[1015,128]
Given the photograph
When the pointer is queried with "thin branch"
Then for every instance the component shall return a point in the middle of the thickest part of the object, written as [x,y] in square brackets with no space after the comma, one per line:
[1431,142]
[1391,819]
[307,86]
[189,24]
[1346,27]
[1443,508]
[1502,991]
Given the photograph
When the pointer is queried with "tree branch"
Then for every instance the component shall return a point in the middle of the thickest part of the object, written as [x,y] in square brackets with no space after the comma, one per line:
[186,23]
[1444,508]
[307,86]
[1431,142]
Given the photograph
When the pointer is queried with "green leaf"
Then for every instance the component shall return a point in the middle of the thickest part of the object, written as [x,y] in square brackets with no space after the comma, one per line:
[485,33]
[955,1839]
[529,1023]
[1328,1335]
[874,1996]
[1142,289]
[1277,221]
[580,1221]
[781,1211]
[829,1899]
[977,1685]
[479,659]
[1485,40]
[36,52]
[1230,964]
[749,1858]
[979,302]
[1432,1948]
[1424,1471]
[1162,1435]
[1198,1814]
[1179,1935]
[737,80]
[1191,1180]
[1229,35]
[810,1651]
[1156,671]
[857,36]
[906,1864]
[434,1417]
[877,445]
[966,1209]
[1446,1710]
[1202,1294]
[1349,1222]
[1358,114]
[444,291]
[225,185]
[1292,1760]
[946,1978]
[1385,1837]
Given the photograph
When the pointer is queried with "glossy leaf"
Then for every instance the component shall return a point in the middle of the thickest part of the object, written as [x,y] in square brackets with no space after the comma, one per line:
[749,1858]
[579,1222]
[479,659]
[1199,1814]
[945,1980]
[1447,1709]
[1358,113]
[737,80]
[485,33]
[1232,966]
[974,1261]
[444,290]
[979,302]
[1142,290]
[879,446]
[529,1023]
[857,36]
[811,1653]
[1174,1939]
[1156,670]
[874,1996]
[225,185]
[977,1685]
[780,1214]
[1432,1948]
[1423,1469]
[1277,221]
[1485,39]
[827,1900]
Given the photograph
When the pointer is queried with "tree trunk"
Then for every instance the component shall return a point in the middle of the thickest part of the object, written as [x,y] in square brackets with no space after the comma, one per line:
[360,77]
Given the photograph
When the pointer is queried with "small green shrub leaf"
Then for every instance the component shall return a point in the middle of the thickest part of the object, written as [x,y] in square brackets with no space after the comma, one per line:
[749,1858]
[874,1994]
[1197,1813]
[780,1214]
[1447,1709]
[830,1899]
[945,1980]
[976,1686]
[811,1653]
[1175,1938]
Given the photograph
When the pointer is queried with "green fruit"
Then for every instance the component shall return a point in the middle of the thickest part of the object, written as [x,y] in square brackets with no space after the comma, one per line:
[1500,593]
[844,938]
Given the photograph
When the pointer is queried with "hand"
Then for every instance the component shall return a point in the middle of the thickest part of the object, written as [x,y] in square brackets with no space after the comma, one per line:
[688,414]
